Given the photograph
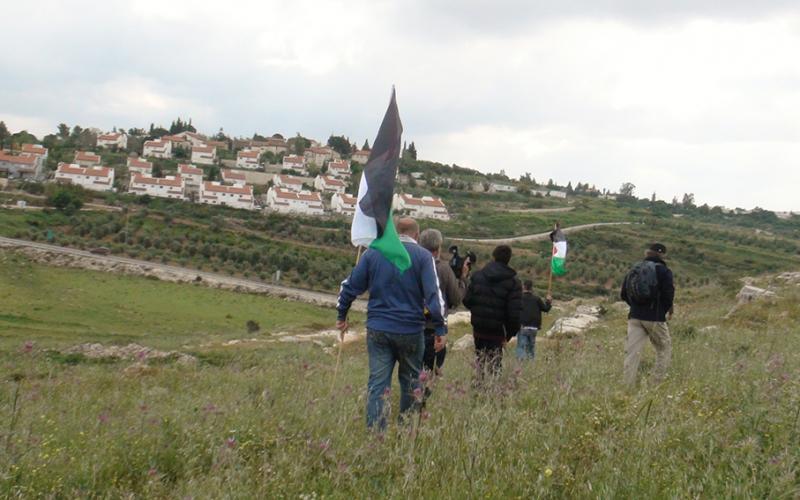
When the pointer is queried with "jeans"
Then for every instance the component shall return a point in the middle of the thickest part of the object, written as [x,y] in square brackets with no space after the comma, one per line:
[526,342]
[386,349]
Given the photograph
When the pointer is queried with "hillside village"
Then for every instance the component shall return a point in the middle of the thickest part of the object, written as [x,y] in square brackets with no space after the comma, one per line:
[294,176]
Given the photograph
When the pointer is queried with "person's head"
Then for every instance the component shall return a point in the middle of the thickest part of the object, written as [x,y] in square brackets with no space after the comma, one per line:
[431,240]
[502,254]
[656,250]
[408,227]
[527,285]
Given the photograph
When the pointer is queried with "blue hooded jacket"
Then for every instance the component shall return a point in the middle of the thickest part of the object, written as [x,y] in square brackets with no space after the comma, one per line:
[397,301]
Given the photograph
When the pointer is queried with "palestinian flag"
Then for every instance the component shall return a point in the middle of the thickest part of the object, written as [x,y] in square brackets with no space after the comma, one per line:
[559,260]
[372,223]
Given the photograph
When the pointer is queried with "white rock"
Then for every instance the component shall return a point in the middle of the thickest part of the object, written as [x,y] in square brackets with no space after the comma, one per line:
[749,293]
[459,317]
[465,342]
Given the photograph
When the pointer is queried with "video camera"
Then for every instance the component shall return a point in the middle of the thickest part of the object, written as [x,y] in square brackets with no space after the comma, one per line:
[457,261]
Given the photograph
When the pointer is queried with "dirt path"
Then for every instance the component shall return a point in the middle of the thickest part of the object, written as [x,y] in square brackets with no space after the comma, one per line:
[538,236]
[541,210]
[70,257]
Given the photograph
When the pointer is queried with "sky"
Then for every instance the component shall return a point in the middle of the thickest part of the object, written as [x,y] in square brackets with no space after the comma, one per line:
[676,97]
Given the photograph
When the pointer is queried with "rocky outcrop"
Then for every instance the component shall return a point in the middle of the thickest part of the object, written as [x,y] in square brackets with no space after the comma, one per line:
[131,352]
[791,278]
[570,326]
[750,293]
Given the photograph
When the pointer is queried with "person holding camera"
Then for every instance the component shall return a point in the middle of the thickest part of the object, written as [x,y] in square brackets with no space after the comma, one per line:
[494,298]
[452,282]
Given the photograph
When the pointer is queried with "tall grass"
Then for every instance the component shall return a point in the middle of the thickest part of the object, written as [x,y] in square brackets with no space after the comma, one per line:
[263,422]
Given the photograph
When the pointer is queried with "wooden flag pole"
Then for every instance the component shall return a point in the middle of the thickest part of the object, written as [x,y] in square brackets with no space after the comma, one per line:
[341,338]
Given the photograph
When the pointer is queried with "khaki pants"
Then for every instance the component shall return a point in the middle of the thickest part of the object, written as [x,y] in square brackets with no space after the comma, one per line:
[638,332]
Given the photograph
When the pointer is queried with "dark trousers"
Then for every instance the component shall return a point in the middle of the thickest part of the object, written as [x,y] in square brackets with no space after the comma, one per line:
[488,356]
[431,357]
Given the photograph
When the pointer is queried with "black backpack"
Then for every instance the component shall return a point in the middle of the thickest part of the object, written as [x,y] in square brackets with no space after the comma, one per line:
[641,284]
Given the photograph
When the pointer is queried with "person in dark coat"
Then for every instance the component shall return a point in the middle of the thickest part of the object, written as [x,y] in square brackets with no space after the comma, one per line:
[494,300]
[530,320]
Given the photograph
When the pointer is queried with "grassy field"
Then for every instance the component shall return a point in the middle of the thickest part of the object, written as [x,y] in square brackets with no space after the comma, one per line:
[266,421]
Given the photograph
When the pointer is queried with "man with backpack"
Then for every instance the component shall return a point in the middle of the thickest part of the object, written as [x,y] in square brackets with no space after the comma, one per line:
[649,290]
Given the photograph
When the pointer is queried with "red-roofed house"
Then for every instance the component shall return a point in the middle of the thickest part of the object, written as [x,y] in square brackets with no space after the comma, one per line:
[344,204]
[177,141]
[117,139]
[233,177]
[139,166]
[290,182]
[93,178]
[167,187]
[87,159]
[34,150]
[248,159]
[360,156]
[157,149]
[296,163]
[192,176]
[275,145]
[23,166]
[339,168]
[193,138]
[318,156]
[204,155]
[285,201]
[329,184]
[425,207]
[214,193]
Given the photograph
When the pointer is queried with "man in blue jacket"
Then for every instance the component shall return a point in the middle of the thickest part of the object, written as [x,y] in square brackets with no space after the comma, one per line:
[395,319]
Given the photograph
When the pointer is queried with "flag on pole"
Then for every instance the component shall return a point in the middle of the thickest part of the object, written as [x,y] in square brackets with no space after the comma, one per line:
[558,262]
[372,223]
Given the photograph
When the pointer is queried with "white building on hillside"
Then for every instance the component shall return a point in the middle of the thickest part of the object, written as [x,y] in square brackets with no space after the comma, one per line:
[344,204]
[556,194]
[248,159]
[118,139]
[290,182]
[87,159]
[23,166]
[425,207]
[204,155]
[233,177]
[290,202]
[339,168]
[296,163]
[193,138]
[157,149]
[192,177]
[329,184]
[360,156]
[318,156]
[93,178]
[166,187]
[502,188]
[214,193]
[34,150]
[139,166]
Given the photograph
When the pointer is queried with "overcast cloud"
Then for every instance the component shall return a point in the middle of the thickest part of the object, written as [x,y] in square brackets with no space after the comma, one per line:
[681,96]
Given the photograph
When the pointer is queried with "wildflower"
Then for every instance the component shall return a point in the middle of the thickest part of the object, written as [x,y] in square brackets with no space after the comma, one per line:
[324,445]
[152,472]
[28,346]
[230,442]
[423,376]
[425,415]
[548,472]
[103,418]
[417,393]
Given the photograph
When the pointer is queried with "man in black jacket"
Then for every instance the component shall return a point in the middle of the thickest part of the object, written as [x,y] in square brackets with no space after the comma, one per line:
[647,320]
[493,297]
[530,319]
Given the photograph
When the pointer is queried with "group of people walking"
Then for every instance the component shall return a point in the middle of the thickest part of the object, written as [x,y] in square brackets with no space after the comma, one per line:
[407,314]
